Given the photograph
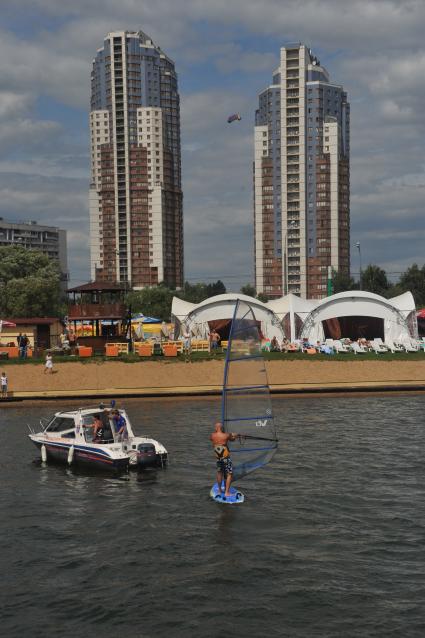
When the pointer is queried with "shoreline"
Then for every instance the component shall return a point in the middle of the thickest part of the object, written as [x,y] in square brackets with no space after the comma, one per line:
[110,379]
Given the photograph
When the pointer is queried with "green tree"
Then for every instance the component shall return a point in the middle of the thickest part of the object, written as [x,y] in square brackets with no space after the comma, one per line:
[29,284]
[262,297]
[374,279]
[248,290]
[414,280]
[342,282]
[152,302]
[195,293]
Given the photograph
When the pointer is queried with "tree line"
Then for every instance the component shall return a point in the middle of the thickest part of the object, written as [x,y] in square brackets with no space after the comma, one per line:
[30,287]
[374,279]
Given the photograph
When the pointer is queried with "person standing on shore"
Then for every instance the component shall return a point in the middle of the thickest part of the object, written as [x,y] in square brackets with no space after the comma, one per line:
[187,344]
[48,366]
[25,343]
[3,385]
[214,341]
[20,342]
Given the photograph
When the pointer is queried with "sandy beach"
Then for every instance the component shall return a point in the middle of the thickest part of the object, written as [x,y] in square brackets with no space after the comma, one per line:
[164,377]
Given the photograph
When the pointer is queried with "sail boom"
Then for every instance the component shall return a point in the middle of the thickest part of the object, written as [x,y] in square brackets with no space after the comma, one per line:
[246,387]
[248,357]
[254,449]
[248,418]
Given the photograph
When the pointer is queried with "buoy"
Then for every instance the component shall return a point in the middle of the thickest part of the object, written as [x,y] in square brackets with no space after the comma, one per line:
[43,453]
[70,455]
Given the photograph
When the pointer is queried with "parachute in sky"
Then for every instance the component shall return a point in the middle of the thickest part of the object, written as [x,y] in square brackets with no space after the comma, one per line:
[234,118]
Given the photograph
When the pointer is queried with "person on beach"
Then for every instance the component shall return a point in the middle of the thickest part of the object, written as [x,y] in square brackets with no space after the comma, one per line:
[25,343]
[48,366]
[220,439]
[214,341]
[3,385]
[20,342]
[187,344]
[120,425]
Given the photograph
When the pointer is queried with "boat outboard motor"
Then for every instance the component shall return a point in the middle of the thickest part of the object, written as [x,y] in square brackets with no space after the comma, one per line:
[146,455]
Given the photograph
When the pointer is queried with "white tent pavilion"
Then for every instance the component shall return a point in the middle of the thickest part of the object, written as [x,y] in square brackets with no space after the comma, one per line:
[199,318]
[394,319]
[356,313]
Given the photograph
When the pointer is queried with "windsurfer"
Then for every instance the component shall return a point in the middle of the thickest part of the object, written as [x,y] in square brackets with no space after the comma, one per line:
[220,440]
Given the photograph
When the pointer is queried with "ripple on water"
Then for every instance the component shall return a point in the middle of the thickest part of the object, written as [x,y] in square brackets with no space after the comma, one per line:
[329,542]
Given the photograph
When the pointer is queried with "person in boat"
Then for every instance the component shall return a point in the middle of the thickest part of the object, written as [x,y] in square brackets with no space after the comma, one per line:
[220,440]
[97,426]
[120,425]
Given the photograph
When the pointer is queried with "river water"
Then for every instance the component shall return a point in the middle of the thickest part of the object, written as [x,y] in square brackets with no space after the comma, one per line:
[329,542]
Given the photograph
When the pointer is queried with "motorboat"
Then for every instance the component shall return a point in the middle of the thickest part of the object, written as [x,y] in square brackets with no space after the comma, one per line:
[70,437]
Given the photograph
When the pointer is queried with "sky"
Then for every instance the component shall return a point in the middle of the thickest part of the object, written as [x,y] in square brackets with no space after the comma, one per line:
[225,52]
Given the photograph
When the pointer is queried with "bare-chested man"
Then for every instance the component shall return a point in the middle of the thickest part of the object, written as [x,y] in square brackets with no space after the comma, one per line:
[220,440]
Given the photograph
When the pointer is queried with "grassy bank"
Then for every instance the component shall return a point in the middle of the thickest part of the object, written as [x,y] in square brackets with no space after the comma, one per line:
[206,356]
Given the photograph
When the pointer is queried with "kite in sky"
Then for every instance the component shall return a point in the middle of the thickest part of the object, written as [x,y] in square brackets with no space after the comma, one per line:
[233,118]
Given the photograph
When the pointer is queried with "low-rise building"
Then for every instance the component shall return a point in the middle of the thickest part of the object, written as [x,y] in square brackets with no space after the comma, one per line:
[49,240]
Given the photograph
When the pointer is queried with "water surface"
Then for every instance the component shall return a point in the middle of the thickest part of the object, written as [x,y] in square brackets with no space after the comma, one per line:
[329,542]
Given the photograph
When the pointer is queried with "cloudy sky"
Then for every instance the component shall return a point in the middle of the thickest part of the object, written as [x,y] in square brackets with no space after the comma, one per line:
[225,52]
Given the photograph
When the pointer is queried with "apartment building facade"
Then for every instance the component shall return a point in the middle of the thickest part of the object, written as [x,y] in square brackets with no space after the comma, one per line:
[47,239]
[136,200]
[301,178]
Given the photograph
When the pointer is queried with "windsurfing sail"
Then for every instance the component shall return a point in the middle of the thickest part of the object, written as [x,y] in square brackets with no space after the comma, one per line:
[246,404]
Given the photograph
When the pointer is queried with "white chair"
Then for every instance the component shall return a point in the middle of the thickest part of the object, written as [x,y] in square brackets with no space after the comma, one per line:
[410,346]
[340,347]
[378,348]
[379,341]
[394,347]
[357,348]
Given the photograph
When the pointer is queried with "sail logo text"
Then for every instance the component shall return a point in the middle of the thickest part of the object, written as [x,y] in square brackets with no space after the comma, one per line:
[261,423]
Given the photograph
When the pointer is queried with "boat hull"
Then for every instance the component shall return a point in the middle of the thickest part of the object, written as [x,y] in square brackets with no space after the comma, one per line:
[83,455]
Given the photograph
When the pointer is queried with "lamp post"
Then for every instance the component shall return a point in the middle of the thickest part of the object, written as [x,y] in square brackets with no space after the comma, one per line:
[289,227]
[360,262]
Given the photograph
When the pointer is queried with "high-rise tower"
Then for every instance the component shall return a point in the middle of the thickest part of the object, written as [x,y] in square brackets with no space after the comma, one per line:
[301,178]
[136,219]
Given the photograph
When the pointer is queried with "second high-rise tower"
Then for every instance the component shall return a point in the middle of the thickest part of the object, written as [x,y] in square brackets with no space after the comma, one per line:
[301,178]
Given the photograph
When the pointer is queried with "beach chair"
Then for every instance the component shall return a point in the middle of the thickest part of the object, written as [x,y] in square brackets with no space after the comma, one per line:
[357,348]
[325,349]
[394,347]
[379,341]
[410,346]
[293,347]
[378,348]
[341,348]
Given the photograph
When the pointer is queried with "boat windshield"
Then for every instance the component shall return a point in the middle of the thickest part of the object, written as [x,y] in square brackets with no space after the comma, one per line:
[60,424]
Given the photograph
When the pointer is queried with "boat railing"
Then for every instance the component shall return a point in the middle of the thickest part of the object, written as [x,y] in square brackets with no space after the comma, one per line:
[44,422]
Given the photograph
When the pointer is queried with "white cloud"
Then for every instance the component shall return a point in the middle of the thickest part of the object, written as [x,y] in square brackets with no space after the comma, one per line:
[373,47]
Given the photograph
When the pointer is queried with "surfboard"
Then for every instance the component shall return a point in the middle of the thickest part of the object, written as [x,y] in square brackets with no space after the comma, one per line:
[236,495]
[246,408]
